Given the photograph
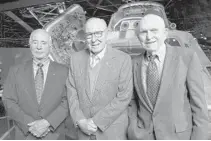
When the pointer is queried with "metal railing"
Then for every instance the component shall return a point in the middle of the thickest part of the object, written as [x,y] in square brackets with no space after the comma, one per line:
[7,134]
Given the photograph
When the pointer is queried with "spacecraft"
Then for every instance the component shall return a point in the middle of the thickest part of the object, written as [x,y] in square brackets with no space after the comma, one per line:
[68,36]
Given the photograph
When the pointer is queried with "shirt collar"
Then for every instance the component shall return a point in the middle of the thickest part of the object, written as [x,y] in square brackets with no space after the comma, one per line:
[160,53]
[44,61]
[99,55]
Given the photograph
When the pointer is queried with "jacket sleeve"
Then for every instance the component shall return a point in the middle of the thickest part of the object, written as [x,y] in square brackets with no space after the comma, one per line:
[72,95]
[61,112]
[197,100]
[132,117]
[107,115]
[10,99]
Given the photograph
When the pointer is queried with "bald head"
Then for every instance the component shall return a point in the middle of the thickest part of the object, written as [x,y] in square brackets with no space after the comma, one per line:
[152,20]
[95,24]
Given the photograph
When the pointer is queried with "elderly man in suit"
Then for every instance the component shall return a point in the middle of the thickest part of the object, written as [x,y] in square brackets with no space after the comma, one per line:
[35,93]
[99,86]
[169,99]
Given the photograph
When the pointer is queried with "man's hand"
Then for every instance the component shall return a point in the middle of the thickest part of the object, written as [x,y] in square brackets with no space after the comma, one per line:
[39,128]
[45,133]
[87,126]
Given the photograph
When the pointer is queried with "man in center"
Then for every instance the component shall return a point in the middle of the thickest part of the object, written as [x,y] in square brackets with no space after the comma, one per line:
[99,86]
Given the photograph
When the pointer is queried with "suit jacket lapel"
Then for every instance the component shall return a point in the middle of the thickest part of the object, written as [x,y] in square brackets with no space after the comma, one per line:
[84,71]
[49,82]
[29,80]
[169,69]
[138,82]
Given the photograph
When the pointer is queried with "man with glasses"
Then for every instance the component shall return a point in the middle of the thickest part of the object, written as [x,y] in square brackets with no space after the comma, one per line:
[99,86]
[169,99]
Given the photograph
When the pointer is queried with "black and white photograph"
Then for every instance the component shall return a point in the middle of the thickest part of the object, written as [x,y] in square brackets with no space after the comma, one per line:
[105,70]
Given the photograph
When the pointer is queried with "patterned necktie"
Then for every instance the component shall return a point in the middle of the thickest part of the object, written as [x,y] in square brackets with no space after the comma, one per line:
[39,82]
[153,80]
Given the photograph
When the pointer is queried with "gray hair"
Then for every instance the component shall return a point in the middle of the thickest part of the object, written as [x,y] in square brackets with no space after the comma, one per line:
[40,30]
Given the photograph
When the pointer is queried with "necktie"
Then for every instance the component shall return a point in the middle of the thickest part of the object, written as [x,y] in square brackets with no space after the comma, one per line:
[94,60]
[153,80]
[39,82]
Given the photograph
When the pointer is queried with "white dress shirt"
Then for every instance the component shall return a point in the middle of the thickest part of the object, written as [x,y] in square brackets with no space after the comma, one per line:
[94,59]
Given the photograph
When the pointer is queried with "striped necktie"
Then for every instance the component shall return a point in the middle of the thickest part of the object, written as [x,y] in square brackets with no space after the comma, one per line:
[153,80]
[39,82]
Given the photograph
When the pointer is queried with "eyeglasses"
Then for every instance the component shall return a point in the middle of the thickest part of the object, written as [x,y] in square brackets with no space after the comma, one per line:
[97,34]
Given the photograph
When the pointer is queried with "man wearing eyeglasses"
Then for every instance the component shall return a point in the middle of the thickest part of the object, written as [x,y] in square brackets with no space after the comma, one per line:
[99,86]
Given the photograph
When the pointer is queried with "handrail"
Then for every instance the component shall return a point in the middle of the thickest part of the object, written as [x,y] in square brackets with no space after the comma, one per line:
[3,117]
[7,133]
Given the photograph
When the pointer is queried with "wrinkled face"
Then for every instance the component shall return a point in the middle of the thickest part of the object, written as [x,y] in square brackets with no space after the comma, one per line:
[152,32]
[95,35]
[40,44]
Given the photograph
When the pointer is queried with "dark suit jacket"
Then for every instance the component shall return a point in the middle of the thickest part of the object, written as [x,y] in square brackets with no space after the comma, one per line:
[180,111]
[20,100]
[112,94]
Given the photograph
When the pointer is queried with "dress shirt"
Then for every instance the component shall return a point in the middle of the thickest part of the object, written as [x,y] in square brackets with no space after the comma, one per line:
[94,59]
[94,70]
[159,60]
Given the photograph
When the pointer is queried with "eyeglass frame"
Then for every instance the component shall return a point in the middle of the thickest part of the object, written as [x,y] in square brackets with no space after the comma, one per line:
[95,34]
